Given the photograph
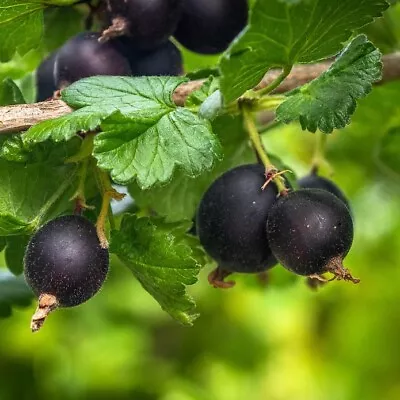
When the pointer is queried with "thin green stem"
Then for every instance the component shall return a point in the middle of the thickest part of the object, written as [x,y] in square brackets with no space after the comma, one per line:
[268,103]
[82,158]
[259,147]
[79,196]
[254,102]
[85,151]
[82,178]
[319,159]
[273,85]
[111,218]
[108,193]
[255,138]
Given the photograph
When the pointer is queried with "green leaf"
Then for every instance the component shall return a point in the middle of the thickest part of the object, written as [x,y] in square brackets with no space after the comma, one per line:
[143,100]
[282,34]
[164,260]
[145,136]
[10,93]
[14,149]
[182,195]
[13,292]
[389,151]
[21,26]
[150,153]
[14,253]
[60,2]
[328,102]
[30,194]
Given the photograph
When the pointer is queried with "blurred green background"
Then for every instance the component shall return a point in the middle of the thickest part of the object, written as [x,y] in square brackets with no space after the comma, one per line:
[279,341]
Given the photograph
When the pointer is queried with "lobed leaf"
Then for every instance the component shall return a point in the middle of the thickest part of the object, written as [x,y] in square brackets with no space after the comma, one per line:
[144,135]
[143,100]
[282,33]
[150,153]
[328,102]
[25,191]
[163,258]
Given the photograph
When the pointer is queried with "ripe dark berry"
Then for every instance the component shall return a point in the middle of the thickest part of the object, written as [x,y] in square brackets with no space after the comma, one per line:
[45,83]
[147,22]
[64,264]
[313,181]
[83,56]
[209,26]
[165,60]
[231,220]
[310,231]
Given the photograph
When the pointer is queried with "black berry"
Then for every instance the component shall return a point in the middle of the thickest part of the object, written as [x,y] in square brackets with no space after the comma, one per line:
[84,56]
[209,26]
[313,181]
[231,220]
[310,231]
[45,83]
[165,60]
[147,22]
[64,263]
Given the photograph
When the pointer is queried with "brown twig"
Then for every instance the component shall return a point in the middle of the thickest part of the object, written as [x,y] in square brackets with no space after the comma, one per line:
[20,117]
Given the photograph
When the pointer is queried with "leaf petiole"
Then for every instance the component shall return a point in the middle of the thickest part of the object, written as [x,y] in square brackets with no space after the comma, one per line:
[273,85]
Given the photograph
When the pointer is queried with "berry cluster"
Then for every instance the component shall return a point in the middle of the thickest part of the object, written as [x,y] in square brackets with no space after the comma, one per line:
[246,226]
[65,263]
[135,41]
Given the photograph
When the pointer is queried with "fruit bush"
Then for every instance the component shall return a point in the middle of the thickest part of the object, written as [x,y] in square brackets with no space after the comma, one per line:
[185,135]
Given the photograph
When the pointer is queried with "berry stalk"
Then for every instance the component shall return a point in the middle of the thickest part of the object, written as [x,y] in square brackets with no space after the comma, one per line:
[82,157]
[109,193]
[271,171]
[319,159]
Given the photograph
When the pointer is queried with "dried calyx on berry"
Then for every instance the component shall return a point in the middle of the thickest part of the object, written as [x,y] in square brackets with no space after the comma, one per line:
[147,23]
